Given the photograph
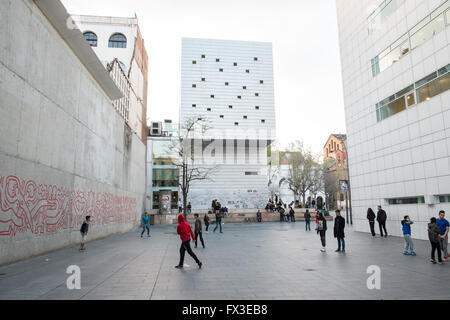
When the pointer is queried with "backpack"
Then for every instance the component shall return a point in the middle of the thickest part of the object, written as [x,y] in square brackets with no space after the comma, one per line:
[320,225]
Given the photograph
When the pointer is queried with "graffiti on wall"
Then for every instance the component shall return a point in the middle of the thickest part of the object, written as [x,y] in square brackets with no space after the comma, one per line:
[26,206]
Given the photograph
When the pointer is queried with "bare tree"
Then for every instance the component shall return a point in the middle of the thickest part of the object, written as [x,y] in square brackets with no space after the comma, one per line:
[331,182]
[190,170]
[301,166]
[317,180]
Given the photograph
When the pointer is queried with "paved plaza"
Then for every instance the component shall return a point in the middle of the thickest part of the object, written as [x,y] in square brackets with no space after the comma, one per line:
[248,261]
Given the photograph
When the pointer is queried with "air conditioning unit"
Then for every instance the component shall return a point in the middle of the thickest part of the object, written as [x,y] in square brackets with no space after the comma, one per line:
[156,129]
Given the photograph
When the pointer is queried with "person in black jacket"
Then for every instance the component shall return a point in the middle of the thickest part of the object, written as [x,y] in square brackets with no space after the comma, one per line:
[292,214]
[84,231]
[339,226]
[198,230]
[381,218]
[218,222]
[371,218]
[308,220]
[206,220]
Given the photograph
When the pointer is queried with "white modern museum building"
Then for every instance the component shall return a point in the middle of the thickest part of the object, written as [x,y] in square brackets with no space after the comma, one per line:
[396,76]
[230,85]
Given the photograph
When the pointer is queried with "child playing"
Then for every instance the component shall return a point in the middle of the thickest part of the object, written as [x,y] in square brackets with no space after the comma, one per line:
[406,223]
[185,232]
[84,231]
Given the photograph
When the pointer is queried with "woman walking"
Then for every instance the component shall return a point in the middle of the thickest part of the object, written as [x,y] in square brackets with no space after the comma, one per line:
[322,229]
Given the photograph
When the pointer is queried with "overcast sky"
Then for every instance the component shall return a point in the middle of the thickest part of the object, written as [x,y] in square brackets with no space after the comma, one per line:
[308,86]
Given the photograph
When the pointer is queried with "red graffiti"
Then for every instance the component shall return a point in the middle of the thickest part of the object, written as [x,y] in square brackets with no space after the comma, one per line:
[26,206]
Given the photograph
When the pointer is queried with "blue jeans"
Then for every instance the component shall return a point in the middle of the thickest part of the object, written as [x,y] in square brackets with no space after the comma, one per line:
[218,223]
[308,225]
[341,243]
[408,243]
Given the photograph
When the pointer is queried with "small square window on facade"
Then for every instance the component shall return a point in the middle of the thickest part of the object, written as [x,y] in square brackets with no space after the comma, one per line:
[200,119]
[244,87]
[209,109]
[235,64]
[221,116]
[227,84]
[230,107]
[263,121]
[203,56]
[261,81]
[217,60]
[220,70]
[236,123]
[257,108]
[239,97]
[248,71]
[256,94]
[194,105]
[194,62]
[212,96]
[255,59]
[194,86]
[203,79]
[245,117]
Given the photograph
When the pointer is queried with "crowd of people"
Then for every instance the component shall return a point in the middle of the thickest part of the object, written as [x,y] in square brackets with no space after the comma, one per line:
[438,229]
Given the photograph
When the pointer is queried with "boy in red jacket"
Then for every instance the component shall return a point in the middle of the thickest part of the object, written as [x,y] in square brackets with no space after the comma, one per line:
[185,232]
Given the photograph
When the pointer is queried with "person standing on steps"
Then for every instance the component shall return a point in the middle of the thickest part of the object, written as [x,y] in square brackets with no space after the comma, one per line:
[308,220]
[371,217]
[339,226]
[259,216]
[381,218]
[185,232]
[321,230]
[443,237]
[409,244]
[218,221]
[84,231]
[198,231]
[292,214]
[145,224]
[434,236]
[206,220]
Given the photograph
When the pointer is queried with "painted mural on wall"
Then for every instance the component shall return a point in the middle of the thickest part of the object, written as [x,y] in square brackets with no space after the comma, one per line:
[29,207]
[233,199]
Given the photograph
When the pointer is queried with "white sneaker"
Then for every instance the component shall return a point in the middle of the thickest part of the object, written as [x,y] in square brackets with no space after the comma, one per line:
[323,249]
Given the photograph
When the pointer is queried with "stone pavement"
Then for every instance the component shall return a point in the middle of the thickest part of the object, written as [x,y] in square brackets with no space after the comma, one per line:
[248,261]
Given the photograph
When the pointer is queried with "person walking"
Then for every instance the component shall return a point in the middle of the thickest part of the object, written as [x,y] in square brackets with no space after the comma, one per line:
[381,218]
[371,217]
[434,236]
[443,237]
[189,208]
[180,206]
[321,230]
[339,226]
[292,214]
[185,232]
[206,220]
[198,231]
[218,221]
[84,231]
[409,244]
[145,225]
[308,220]
[259,216]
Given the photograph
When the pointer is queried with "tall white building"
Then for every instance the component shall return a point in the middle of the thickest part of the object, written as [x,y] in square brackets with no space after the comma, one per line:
[119,45]
[395,66]
[230,85]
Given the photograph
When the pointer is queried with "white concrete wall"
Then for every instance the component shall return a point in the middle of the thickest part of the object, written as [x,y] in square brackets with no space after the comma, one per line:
[408,154]
[65,152]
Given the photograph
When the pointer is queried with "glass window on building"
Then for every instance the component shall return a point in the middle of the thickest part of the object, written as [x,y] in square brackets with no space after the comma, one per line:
[412,200]
[433,88]
[428,31]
